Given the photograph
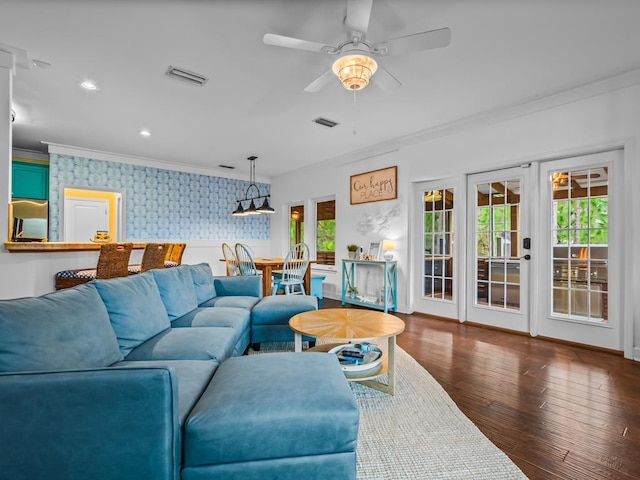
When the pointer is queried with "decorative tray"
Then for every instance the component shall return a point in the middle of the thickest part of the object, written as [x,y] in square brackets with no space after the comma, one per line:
[355,357]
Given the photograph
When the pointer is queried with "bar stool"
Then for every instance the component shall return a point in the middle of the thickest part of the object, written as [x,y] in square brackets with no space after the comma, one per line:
[113,262]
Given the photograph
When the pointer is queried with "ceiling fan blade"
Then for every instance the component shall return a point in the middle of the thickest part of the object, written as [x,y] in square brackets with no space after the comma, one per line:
[320,82]
[417,42]
[385,80]
[290,42]
[358,15]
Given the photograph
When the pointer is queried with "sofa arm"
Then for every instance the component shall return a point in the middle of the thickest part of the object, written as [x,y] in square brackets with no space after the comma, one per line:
[102,423]
[250,286]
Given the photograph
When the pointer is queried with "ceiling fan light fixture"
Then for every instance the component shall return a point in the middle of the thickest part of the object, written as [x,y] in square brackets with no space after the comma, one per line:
[355,70]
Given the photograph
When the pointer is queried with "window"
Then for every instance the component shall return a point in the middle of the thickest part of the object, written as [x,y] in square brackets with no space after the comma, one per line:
[296,224]
[326,232]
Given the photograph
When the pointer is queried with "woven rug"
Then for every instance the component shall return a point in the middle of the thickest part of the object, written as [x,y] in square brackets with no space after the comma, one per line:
[419,433]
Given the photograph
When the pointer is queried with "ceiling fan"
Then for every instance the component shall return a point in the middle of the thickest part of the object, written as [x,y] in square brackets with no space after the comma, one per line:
[355,65]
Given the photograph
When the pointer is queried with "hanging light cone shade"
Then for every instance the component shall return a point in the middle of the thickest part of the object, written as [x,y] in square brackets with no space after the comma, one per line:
[252,210]
[354,71]
[238,212]
[265,207]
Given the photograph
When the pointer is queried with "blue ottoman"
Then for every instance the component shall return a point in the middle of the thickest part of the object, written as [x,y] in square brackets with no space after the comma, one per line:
[278,416]
[270,317]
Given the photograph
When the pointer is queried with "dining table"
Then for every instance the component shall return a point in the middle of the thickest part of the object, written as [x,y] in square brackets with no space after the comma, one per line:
[268,264]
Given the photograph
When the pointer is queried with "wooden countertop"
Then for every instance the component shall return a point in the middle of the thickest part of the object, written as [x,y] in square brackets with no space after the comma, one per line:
[17,247]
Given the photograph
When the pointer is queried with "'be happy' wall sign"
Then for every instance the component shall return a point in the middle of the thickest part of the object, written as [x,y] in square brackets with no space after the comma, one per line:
[374,186]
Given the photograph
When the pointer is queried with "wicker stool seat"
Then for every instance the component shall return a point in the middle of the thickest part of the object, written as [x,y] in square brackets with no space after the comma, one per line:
[153,257]
[113,262]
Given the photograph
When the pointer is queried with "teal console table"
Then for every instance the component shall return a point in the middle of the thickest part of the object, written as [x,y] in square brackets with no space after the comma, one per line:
[386,299]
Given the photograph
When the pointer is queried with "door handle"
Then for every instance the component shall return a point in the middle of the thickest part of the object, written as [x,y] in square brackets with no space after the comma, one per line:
[526,257]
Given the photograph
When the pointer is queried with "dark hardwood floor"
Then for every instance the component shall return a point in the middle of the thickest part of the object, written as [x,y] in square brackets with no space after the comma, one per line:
[558,411]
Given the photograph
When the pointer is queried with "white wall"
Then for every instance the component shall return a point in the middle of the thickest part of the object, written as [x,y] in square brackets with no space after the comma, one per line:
[596,116]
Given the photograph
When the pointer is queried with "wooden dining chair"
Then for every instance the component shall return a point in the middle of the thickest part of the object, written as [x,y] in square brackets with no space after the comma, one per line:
[245,260]
[113,261]
[230,260]
[291,278]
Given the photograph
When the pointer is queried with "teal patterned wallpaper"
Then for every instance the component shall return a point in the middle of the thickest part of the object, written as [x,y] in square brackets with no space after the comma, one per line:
[161,204]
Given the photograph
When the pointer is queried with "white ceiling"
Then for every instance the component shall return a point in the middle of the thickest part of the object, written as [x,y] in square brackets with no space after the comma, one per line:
[502,52]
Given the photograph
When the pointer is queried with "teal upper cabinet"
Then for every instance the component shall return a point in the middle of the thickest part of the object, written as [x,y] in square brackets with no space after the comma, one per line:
[29,180]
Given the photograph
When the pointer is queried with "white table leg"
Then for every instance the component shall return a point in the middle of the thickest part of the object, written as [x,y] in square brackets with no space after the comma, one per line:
[391,374]
[297,342]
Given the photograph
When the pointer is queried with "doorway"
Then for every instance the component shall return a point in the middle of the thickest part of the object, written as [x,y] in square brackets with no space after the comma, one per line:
[83,218]
[84,211]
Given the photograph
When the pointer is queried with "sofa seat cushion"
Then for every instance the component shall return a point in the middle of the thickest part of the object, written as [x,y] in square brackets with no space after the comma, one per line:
[176,290]
[202,281]
[235,301]
[67,329]
[236,318]
[272,406]
[195,343]
[135,308]
[278,309]
[193,377]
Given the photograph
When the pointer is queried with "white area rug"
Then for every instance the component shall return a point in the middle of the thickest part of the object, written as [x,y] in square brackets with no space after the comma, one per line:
[419,433]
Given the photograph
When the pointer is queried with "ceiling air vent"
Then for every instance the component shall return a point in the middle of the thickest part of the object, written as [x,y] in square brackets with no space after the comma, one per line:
[325,122]
[186,76]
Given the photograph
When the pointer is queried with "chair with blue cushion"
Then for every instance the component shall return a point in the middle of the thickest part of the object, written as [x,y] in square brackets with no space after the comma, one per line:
[291,277]
[245,260]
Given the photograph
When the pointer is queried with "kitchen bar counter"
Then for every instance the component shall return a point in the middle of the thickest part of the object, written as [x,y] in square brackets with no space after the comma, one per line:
[17,247]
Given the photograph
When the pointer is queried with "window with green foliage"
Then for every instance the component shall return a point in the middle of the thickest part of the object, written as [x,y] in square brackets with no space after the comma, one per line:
[296,224]
[326,232]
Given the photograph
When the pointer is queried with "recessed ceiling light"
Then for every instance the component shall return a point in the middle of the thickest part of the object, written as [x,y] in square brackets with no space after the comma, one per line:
[88,85]
[145,133]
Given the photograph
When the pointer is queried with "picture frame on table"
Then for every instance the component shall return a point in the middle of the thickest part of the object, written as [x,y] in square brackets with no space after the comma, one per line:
[373,253]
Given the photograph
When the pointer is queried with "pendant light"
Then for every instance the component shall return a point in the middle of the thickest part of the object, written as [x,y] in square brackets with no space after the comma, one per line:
[240,211]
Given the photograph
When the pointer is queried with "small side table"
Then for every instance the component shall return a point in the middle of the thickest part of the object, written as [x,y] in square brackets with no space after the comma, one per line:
[350,325]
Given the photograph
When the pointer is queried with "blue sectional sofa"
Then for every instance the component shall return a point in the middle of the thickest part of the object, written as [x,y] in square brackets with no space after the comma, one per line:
[143,378]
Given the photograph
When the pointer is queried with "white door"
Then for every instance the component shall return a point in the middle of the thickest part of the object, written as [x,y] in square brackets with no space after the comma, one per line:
[83,218]
[580,277]
[498,239]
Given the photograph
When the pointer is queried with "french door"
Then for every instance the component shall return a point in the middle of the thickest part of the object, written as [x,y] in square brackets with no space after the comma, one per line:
[436,248]
[498,248]
[582,224]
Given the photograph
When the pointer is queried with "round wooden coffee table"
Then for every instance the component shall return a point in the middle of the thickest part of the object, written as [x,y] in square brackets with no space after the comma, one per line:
[352,325]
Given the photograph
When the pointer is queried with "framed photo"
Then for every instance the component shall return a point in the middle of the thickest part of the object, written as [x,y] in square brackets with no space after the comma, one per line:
[374,186]
[374,251]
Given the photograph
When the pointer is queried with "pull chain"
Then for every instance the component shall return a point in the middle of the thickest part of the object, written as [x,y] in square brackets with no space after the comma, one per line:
[354,112]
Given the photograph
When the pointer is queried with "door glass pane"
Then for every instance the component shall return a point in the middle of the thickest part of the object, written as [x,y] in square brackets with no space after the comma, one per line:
[580,244]
[497,252]
[438,244]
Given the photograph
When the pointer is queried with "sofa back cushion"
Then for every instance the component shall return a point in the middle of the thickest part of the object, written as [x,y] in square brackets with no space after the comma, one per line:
[177,290]
[68,329]
[135,308]
[202,281]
